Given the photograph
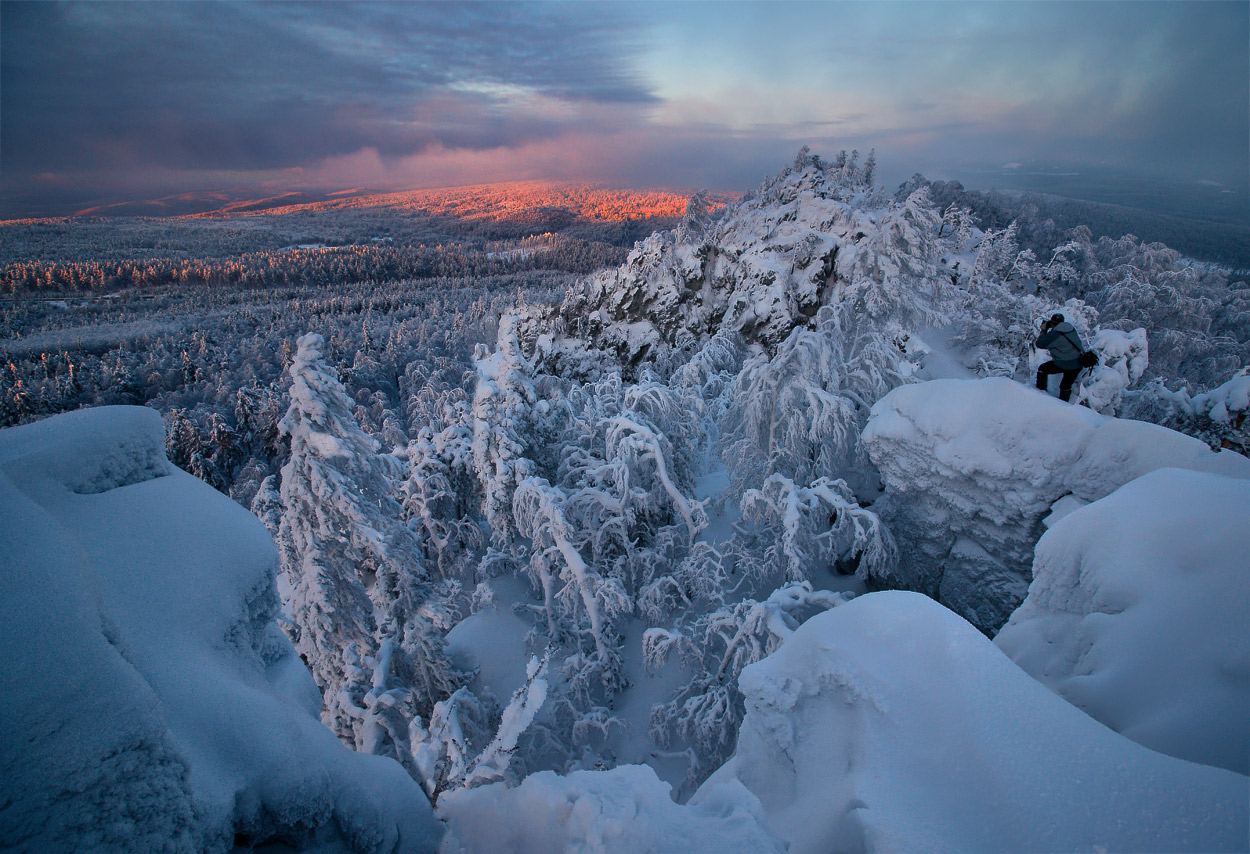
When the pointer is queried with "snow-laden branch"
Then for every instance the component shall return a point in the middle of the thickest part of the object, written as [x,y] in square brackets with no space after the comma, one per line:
[626,436]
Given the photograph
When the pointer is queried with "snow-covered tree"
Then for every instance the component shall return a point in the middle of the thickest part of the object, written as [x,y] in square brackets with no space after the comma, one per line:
[441,493]
[800,412]
[578,601]
[818,527]
[357,585]
[504,408]
[707,711]
[457,750]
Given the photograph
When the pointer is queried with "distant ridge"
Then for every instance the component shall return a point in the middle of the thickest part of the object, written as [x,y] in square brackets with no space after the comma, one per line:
[511,201]
[496,202]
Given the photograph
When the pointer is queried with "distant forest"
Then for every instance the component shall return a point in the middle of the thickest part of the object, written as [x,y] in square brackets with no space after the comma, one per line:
[481,231]
[182,312]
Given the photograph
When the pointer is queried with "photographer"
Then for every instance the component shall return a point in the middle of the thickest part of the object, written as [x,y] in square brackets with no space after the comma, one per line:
[1060,338]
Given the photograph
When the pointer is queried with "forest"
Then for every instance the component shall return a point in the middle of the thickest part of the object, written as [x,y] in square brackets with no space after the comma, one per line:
[635,446]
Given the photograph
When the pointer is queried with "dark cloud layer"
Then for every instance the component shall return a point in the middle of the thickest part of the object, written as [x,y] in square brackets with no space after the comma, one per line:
[108,100]
[233,86]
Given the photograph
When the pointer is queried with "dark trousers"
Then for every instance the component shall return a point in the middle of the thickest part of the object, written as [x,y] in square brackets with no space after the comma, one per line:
[1044,371]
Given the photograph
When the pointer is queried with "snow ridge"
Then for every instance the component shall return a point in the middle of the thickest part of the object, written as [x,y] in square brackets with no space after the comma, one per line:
[1136,614]
[851,744]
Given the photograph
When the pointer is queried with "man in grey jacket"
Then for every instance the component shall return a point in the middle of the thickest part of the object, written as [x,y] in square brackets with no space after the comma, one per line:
[1060,338]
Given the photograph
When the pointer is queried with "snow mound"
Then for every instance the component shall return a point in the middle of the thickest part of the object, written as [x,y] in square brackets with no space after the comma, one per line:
[83,458]
[150,701]
[625,810]
[1137,614]
[891,724]
[972,467]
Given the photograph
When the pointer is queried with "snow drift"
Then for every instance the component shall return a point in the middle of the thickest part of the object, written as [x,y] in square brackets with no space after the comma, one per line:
[622,811]
[150,701]
[1137,614]
[972,467]
[853,743]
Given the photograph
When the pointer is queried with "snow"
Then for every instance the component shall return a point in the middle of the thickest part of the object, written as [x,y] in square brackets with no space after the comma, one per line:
[1122,362]
[622,811]
[150,701]
[1062,508]
[982,461]
[492,641]
[1226,402]
[939,358]
[724,514]
[1137,614]
[890,724]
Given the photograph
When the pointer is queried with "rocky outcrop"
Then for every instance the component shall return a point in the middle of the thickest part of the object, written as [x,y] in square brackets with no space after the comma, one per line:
[972,467]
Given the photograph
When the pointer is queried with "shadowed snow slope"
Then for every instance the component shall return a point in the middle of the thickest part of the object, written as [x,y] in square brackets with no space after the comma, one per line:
[890,724]
[150,702]
[971,467]
[1137,614]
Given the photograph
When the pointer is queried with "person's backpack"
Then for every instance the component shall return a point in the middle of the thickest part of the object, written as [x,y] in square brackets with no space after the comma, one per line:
[1088,358]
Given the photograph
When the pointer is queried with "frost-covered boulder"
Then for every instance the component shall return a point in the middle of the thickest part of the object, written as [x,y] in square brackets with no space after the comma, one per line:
[972,467]
[150,701]
[622,811]
[1138,614]
[891,724]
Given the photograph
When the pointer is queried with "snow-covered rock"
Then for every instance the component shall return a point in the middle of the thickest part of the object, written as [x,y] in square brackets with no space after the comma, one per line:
[1138,614]
[890,724]
[622,811]
[816,234]
[972,467]
[150,701]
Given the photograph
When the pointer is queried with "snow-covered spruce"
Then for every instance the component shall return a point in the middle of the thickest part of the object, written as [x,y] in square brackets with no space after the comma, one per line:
[1137,614]
[358,591]
[152,702]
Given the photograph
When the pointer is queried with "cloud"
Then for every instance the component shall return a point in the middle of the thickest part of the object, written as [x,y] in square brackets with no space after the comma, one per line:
[135,98]
[242,86]
[1151,86]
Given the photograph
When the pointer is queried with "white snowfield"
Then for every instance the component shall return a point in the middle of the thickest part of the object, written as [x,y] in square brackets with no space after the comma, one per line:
[1138,614]
[150,702]
[971,468]
[890,724]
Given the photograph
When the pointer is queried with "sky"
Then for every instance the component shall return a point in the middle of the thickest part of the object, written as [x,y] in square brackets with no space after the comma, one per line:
[129,100]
